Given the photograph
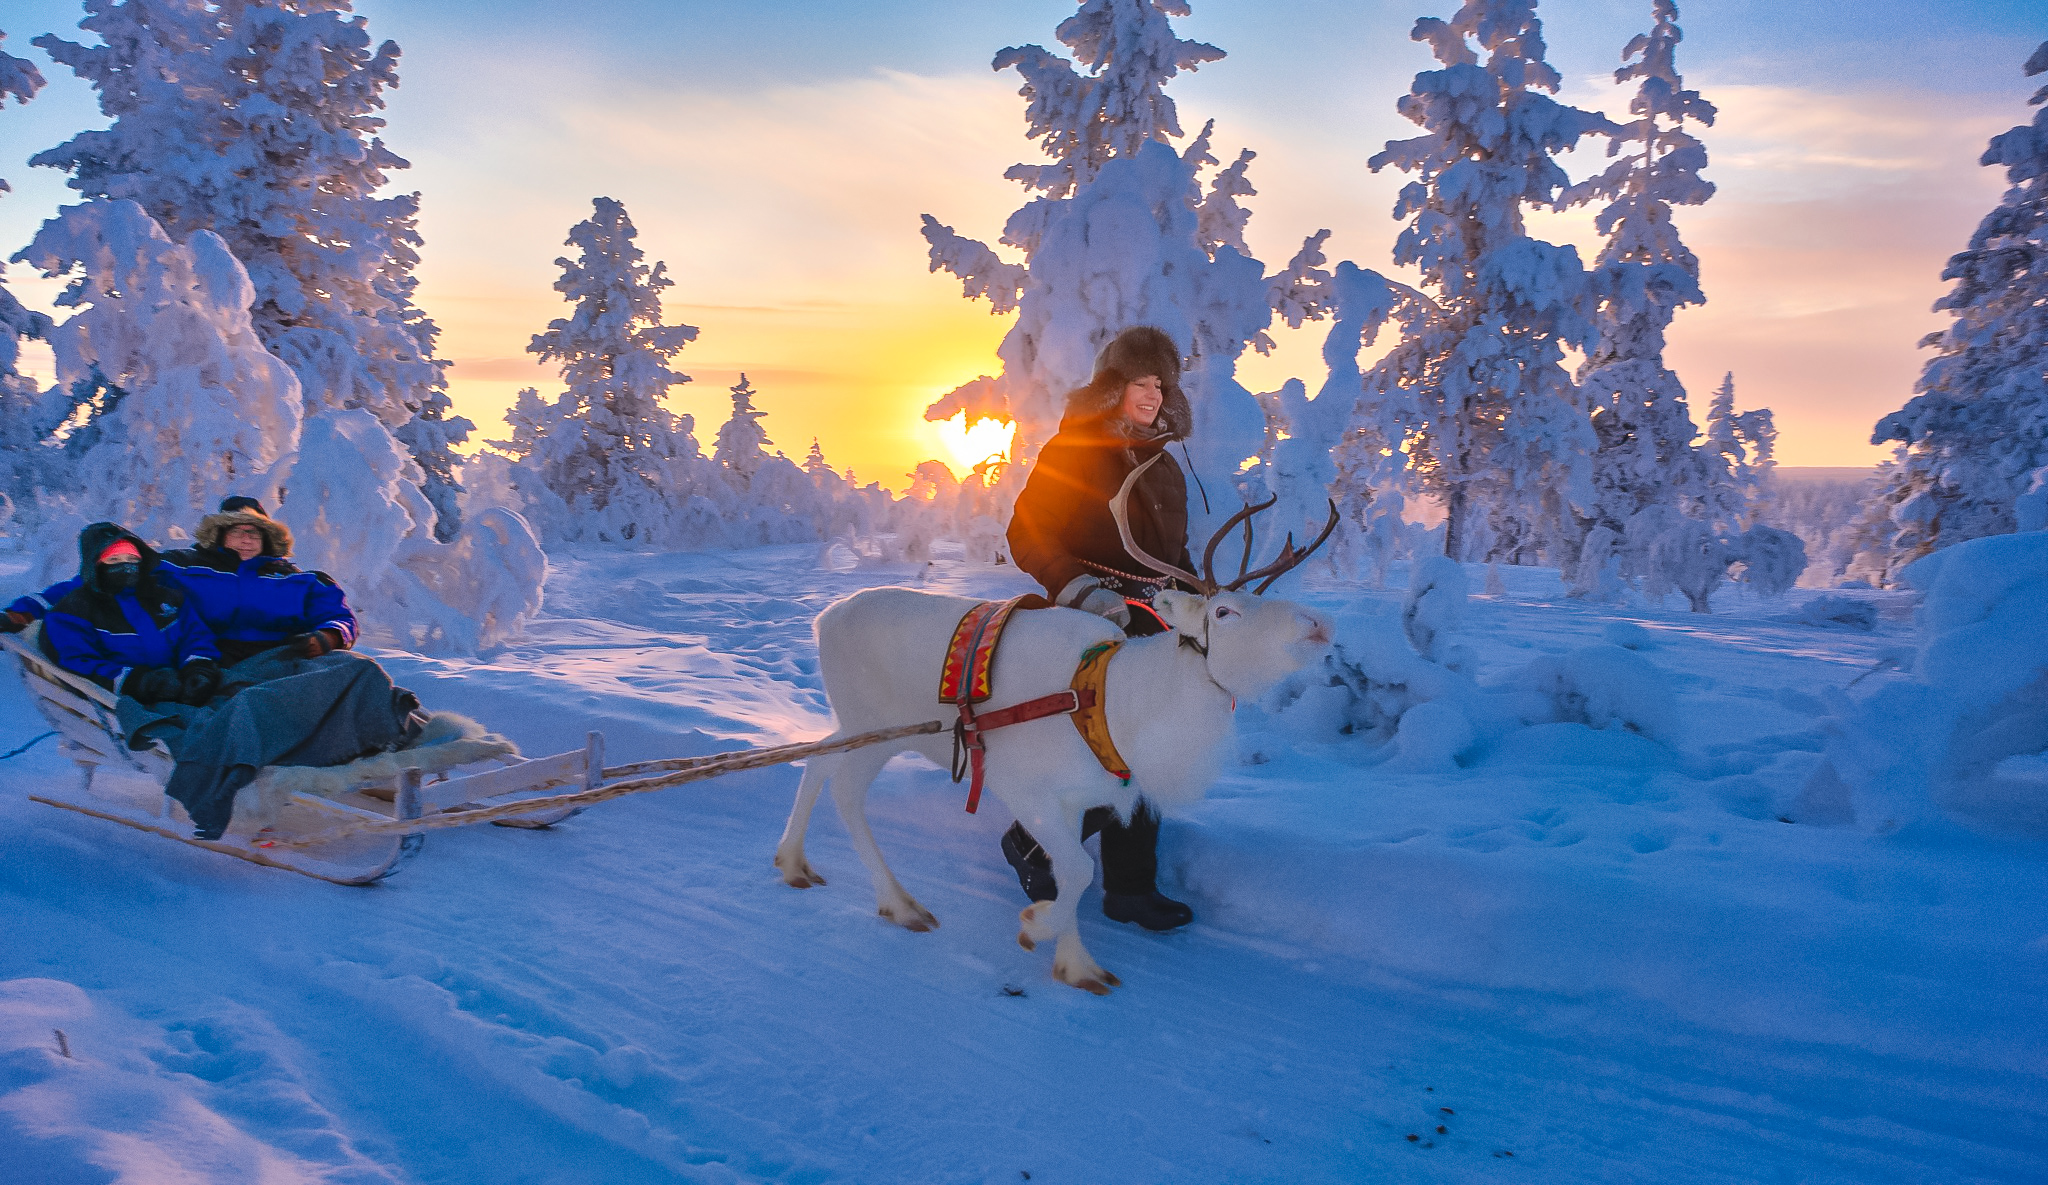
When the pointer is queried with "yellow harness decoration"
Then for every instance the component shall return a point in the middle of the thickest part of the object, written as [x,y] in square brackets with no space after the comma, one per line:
[1092,717]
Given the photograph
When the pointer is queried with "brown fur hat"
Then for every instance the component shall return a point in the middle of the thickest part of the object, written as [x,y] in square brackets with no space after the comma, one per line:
[277,538]
[1136,352]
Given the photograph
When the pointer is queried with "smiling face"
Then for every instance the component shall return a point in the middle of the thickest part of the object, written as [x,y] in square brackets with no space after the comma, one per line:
[245,541]
[1142,400]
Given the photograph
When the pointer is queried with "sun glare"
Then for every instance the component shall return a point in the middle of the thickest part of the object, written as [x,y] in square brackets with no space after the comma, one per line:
[967,446]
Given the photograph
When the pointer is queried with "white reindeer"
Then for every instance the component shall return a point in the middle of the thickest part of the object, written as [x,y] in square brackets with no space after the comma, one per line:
[1169,703]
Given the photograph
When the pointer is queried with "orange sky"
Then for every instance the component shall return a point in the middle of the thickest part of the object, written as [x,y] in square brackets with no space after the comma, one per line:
[786,206]
[790,225]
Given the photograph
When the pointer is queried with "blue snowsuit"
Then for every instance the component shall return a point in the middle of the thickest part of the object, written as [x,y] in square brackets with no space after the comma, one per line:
[254,605]
[249,605]
[107,636]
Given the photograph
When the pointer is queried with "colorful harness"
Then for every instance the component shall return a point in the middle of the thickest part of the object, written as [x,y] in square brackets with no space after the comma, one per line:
[965,680]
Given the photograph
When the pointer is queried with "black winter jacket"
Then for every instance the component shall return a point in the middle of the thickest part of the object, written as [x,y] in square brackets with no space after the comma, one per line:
[1061,527]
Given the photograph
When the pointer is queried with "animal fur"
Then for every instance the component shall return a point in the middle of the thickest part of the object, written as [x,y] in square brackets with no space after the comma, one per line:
[1170,698]
[277,538]
[447,741]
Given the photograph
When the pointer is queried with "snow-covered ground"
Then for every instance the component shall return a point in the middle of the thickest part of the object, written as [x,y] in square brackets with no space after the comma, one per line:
[1582,956]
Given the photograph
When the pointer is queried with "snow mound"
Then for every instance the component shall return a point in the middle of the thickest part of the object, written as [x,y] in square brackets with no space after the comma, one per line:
[1629,636]
[83,1090]
[355,508]
[1941,741]
[1838,612]
[1602,687]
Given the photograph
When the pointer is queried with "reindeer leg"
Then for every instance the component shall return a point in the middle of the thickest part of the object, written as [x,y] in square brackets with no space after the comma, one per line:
[1072,869]
[850,784]
[789,854]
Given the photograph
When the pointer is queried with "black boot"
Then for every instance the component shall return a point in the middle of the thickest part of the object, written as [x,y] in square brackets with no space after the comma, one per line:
[1130,870]
[1034,867]
[1153,910]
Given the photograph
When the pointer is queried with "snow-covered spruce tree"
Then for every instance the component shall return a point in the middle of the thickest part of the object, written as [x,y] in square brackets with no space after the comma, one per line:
[24,420]
[1643,275]
[1121,233]
[257,120]
[205,407]
[771,499]
[1976,430]
[1742,447]
[742,449]
[1325,453]
[1499,432]
[622,467]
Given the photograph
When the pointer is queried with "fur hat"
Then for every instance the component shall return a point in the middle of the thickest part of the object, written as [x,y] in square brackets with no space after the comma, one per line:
[1131,355]
[277,538]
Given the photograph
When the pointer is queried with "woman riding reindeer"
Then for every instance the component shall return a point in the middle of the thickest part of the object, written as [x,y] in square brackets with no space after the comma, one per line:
[1063,535]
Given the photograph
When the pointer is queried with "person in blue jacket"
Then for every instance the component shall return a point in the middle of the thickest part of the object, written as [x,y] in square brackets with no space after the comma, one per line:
[125,629]
[244,589]
[253,597]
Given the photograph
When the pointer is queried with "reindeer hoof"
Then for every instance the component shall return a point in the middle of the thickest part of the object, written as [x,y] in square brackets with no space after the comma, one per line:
[1093,987]
[1111,980]
[1024,940]
[913,917]
[802,876]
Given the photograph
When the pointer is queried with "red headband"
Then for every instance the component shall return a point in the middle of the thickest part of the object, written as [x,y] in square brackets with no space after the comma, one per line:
[118,550]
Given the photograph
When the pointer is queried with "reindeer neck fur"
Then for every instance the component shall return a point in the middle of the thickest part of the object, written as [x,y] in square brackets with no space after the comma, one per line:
[1172,721]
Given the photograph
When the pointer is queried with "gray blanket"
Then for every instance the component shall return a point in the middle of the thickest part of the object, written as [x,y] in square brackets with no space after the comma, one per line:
[273,709]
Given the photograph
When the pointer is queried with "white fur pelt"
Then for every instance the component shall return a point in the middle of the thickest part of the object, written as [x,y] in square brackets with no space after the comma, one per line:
[447,741]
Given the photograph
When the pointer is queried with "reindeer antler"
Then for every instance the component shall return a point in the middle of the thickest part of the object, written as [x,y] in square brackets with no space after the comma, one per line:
[1243,516]
[1288,559]
[1119,509]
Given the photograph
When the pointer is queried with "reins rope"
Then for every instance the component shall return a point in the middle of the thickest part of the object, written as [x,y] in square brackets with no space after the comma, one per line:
[701,768]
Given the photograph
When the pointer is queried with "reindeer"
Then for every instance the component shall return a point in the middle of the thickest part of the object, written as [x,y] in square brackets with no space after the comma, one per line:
[1169,703]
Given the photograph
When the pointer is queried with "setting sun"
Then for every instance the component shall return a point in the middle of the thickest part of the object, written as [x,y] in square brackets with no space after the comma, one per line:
[967,446]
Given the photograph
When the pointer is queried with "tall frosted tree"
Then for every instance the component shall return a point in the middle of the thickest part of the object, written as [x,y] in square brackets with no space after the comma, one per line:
[258,120]
[1976,431]
[1644,274]
[742,446]
[607,447]
[1741,447]
[1498,430]
[205,407]
[1120,232]
[24,414]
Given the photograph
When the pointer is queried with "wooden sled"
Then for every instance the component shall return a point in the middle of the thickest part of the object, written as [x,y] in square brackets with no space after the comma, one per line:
[82,713]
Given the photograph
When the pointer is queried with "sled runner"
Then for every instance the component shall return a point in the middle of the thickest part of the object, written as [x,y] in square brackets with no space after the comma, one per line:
[287,806]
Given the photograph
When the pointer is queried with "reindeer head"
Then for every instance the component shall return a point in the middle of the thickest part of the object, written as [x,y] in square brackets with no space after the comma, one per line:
[1250,643]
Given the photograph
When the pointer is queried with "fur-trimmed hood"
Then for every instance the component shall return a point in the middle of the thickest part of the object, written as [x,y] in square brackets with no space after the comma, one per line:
[1131,355]
[277,538]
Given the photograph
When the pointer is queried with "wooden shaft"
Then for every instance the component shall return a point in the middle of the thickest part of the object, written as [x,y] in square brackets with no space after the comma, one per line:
[706,767]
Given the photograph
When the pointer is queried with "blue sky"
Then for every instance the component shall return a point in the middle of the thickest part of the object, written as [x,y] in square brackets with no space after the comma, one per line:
[777,155]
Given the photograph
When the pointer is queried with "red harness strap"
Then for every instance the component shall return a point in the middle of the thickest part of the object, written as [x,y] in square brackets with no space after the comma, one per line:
[967,731]
[965,679]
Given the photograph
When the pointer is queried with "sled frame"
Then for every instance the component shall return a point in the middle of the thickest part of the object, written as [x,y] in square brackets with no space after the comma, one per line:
[82,714]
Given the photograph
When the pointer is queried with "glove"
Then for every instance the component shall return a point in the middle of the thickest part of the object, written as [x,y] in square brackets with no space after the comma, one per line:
[1104,603]
[149,685]
[198,681]
[13,623]
[315,644]
[1086,593]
